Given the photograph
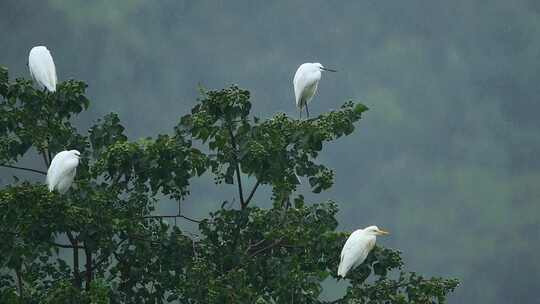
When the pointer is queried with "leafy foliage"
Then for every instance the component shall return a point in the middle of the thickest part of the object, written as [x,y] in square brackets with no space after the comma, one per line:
[121,253]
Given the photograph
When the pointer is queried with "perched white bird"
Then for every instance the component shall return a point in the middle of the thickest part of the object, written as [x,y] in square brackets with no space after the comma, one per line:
[42,69]
[306,79]
[357,248]
[62,170]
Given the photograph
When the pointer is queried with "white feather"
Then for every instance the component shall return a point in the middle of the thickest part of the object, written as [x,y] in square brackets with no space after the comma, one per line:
[42,69]
[62,170]
[306,80]
[357,248]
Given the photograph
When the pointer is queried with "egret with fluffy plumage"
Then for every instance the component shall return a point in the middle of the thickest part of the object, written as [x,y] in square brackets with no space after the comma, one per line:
[62,170]
[42,69]
[357,248]
[306,80]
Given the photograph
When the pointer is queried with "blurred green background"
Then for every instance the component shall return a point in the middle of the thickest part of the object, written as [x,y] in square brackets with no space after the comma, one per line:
[447,158]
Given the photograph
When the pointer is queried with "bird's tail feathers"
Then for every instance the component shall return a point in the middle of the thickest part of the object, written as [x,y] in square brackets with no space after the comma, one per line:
[50,185]
[342,270]
[51,88]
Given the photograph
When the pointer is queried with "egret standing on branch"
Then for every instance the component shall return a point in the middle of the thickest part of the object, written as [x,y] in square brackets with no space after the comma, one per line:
[357,248]
[42,69]
[62,170]
[306,79]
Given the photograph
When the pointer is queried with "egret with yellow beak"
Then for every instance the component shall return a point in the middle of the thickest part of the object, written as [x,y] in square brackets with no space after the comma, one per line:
[357,248]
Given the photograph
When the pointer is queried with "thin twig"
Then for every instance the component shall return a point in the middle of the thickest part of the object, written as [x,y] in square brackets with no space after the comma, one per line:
[194,249]
[251,246]
[190,219]
[65,245]
[274,244]
[76,273]
[237,169]
[252,192]
[25,169]
[117,257]
[139,238]
[257,244]
[173,216]
[50,242]
[44,155]
[88,272]
[19,282]
[334,302]
[106,257]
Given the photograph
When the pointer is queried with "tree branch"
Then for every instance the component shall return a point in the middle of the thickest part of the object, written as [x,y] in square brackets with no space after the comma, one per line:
[190,219]
[65,245]
[106,257]
[19,282]
[173,216]
[49,154]
[237,169]
[253,245]
[139,238]
[274,244]
[45,160]
[76,274]
[25,169]
[252,192]
[240,191]
[335,301]
[88,272]
[50,242]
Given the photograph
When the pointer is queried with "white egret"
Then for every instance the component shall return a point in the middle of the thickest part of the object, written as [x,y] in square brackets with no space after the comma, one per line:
[357,248]
[62,170]
[306,79]
[42,69]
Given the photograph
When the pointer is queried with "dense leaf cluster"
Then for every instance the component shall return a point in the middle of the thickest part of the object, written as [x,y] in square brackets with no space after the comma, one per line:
[119,252]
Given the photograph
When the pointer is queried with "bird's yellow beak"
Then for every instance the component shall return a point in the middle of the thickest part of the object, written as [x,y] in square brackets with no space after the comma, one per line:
[382,232]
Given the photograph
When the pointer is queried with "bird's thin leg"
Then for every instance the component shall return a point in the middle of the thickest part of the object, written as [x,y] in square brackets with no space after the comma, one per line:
[300,113]
[307,111]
